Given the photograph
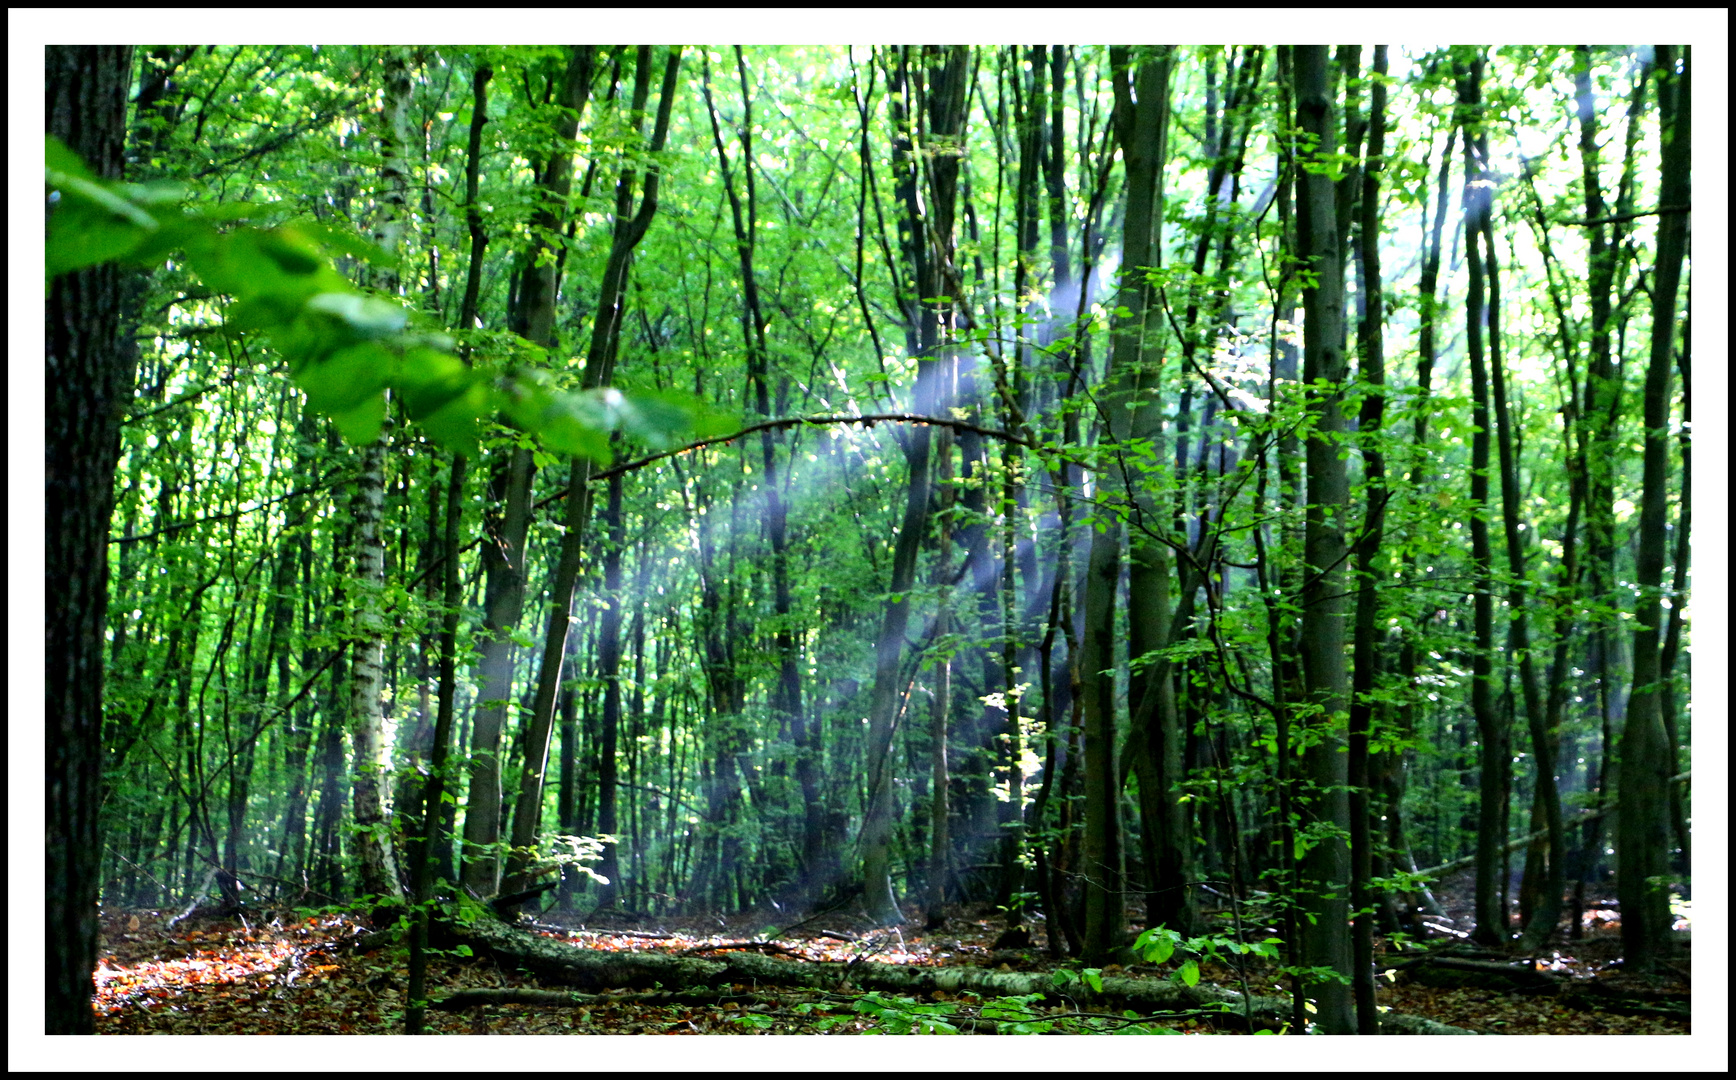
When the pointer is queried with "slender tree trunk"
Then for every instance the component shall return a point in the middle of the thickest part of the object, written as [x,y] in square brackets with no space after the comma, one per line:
[503,561]
[1678,600]
[1548,796]
[1494,763]
[1326,865]
[1601,420]
[1643,829]
[939,867]
[609,663]
[630,228]
[926,235]
[372,755]
[1365,648]
[434,790]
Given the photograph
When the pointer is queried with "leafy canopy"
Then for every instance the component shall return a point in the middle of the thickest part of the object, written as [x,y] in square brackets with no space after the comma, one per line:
[346,348]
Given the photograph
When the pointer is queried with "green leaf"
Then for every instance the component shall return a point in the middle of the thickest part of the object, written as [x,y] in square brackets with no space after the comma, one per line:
[455,425]
[293,254]
[343,241]
[74,244]
[428,380]
[61,159]
[569,435]
[362,424]
[1189,973]
[1156,945]
[347,378]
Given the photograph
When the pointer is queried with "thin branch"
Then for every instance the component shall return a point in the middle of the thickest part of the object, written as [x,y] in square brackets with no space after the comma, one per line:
[329,482]
[1614,218]
[797,421]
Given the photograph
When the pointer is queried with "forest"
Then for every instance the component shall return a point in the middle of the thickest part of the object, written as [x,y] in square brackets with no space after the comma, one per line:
[897,539]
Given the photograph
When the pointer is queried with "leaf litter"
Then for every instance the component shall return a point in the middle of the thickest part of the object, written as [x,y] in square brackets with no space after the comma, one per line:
[304,975]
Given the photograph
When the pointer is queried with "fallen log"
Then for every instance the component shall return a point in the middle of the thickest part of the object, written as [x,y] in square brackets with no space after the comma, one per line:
[593,969]
[1452,971]
[568,999]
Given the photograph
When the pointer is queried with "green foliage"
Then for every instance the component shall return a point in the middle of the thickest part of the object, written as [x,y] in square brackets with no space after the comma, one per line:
[893,1015]
[346,349]
[1159,944]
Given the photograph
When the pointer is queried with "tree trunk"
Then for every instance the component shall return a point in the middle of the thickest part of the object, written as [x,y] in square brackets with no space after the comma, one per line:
[926,234]
[1494,763]
[1371,342]
[372,755]
[89,383]
[630,227]
[377,866]
[1602,451]
[503,561]
[609,664]
[1643,827]
[1134,412]
[1548,796]
[1326,865]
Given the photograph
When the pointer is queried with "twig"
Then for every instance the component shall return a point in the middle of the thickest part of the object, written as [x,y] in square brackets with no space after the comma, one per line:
[798,421]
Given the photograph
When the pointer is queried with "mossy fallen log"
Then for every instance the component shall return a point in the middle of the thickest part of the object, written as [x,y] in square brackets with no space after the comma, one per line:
[594,969]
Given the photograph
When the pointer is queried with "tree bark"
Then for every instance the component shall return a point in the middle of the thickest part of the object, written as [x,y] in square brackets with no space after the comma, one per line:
[1131,429]
[1326,865]
[1643,827]
[609,667]
[630,227]
[89,384]
[926,235]
[371,774]
[1493,760]
[504,554]
[1371,343]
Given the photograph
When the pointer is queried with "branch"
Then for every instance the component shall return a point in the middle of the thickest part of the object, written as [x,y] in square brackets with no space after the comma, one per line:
[330,481]
[1614,218]
[1519,842]
[796,421]
[293,133]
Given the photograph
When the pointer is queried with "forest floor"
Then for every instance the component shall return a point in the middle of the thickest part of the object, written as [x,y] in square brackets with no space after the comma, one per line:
[293,974]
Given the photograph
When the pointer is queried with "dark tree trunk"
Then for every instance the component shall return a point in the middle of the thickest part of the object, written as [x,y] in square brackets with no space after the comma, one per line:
[511,490]
[609,661]
[1643,828]
[1326,865]
[926,234]
[629,228]
[1371,342]
[1494,766]
[89,383]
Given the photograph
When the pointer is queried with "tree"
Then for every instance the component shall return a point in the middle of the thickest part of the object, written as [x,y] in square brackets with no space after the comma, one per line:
[1646,754]
[929,92]
[1325,876]
[630,227]
[1493,756]
[379,868]
[90,382]
[1371,349]
[1133,413]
